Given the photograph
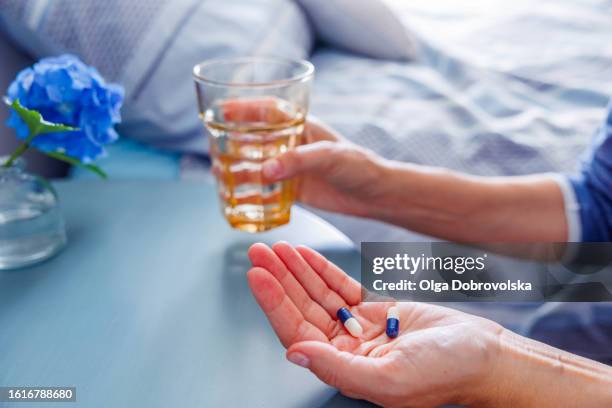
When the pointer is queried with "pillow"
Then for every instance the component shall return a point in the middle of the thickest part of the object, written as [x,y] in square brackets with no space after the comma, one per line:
[151,46]
[367,27]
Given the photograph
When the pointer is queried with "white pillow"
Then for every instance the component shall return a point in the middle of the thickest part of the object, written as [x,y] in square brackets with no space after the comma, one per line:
[367,27]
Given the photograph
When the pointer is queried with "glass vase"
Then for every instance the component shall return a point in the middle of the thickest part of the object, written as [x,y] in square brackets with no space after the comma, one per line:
[32,227]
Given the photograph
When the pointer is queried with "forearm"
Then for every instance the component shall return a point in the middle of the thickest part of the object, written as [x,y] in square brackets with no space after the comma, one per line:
[531,374]
[467,208]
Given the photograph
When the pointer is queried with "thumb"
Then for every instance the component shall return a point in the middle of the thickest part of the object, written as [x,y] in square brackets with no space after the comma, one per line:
[354,375]
[314,157]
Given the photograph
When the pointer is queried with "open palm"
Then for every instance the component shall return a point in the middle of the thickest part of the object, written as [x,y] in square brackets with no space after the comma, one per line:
[438,348]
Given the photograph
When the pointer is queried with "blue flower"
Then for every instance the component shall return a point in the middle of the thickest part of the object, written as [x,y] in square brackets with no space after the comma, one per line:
[65,90]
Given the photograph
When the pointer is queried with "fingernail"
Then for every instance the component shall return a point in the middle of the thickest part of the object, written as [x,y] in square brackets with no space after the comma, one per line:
[299,359]
[272,169]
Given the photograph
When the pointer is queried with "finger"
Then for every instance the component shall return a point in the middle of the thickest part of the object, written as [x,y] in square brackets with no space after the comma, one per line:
[335,278]
[316,131]
[262,256]
[286,320]
[316,157]
[352,374]
[309,279]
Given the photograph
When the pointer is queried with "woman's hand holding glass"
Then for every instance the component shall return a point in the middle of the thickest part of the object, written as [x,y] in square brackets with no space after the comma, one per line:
[337,175]
[334,174]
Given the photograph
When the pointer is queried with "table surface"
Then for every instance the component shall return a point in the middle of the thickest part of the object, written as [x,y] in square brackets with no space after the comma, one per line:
[148,305]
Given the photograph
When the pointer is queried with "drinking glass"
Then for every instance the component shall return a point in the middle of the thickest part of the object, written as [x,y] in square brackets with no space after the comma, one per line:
[254,109]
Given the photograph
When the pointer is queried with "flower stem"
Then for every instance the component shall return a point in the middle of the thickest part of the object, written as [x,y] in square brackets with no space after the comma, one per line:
[21,149]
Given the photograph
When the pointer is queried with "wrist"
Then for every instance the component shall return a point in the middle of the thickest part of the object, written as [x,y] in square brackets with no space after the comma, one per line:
[502,384]
[383,182]
[529,373]
[486,387]
[391,190]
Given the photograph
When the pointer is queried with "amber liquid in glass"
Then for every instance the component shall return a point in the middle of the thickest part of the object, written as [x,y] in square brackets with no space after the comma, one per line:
[238,149]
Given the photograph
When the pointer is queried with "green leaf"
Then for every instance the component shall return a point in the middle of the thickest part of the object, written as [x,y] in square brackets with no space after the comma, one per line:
[36,123]
[75,162]
[37,126]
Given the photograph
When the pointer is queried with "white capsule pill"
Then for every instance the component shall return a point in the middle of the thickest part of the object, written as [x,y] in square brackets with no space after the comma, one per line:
[353,327]
[393,313]
[350,323]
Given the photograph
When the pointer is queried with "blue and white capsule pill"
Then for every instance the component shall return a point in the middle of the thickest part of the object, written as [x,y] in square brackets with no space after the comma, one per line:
[392,322]
[350,323]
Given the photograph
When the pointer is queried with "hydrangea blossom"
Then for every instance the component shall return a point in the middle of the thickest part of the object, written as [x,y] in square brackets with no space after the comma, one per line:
[65,90]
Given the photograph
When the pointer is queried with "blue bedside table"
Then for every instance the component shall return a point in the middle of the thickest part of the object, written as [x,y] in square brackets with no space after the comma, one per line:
[148,306]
